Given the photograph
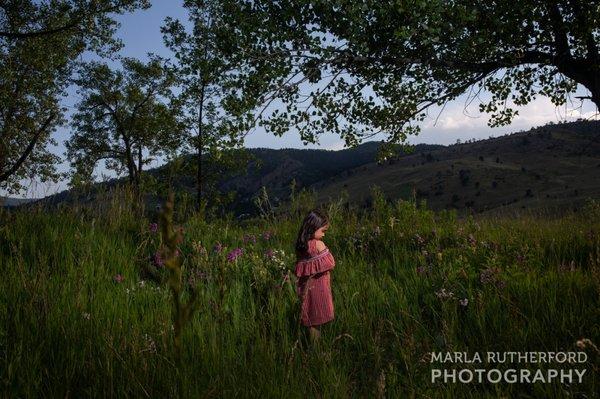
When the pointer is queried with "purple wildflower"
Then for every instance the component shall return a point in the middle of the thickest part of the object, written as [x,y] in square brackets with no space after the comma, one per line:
[118,278]
[269,253]
[267,235]
[158,260]
[491,275]
[153,227]
[233,255]
[249,238]
[218,247]
[421,269]
[197,276]
[463,302]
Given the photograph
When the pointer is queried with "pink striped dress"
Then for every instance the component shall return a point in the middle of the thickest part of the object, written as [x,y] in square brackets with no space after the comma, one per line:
[313,285]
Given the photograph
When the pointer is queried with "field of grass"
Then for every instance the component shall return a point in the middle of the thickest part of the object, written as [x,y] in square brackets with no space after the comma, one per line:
[86,309]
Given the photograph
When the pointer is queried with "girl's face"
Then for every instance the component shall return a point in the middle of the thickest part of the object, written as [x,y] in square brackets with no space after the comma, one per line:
[320,233]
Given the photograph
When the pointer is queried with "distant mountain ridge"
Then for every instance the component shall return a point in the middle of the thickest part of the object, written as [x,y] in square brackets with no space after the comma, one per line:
[549,166]
[12,201]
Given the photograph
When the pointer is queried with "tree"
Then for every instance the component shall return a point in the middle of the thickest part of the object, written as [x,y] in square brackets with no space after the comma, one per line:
[125,117]
[204,76]
[39,45]
[378,66]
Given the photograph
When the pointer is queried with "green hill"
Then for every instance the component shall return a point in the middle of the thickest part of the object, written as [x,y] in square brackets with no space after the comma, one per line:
[552,167]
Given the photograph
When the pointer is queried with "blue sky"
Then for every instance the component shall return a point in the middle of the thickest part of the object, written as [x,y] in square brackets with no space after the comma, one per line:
[140,33]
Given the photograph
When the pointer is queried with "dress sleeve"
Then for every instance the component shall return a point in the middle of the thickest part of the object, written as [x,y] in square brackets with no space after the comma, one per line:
[318,263]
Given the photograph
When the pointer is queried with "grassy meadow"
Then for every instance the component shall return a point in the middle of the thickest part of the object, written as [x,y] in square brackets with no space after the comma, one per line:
[86,309]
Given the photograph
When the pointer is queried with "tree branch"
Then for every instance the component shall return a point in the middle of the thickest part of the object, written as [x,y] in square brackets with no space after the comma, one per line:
[4,176]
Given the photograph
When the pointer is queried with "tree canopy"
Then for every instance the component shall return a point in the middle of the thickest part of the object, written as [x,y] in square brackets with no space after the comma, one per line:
[40,42]
[204,78]
[376,67]
[125,117]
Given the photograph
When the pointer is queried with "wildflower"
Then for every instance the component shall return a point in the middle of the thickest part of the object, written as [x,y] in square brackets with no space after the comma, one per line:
[150,344]
[269,253]
[277,259]
[443,294]
[86,315]
[392,221]
[118,278]
[233,255]
[249,238]
[464,302]
[153,227]
[488,275]
[196,276]
[218,247]
[198,248]
[158,260]
[419,240]
[491,275]
[377,230]
[142,283]
[585,343]
[421,269]
[471,239]
[267,235]
[567,267]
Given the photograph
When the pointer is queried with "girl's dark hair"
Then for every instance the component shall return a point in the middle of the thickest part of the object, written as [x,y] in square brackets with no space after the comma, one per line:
[311,223]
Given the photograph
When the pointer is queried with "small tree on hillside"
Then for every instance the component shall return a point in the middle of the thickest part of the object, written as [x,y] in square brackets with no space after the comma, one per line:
[204,78]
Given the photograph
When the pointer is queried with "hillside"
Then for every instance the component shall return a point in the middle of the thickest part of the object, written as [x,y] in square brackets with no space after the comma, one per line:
[271,168]
[553,167]
[12,201]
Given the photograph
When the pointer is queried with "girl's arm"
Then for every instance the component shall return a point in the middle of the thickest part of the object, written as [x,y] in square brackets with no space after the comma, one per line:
[318,263]
[320,246]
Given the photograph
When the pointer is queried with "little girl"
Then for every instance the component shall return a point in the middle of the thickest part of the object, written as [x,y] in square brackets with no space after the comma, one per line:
[314,261]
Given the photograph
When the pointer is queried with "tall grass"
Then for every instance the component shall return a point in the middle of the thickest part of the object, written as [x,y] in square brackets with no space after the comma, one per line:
[86,310]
